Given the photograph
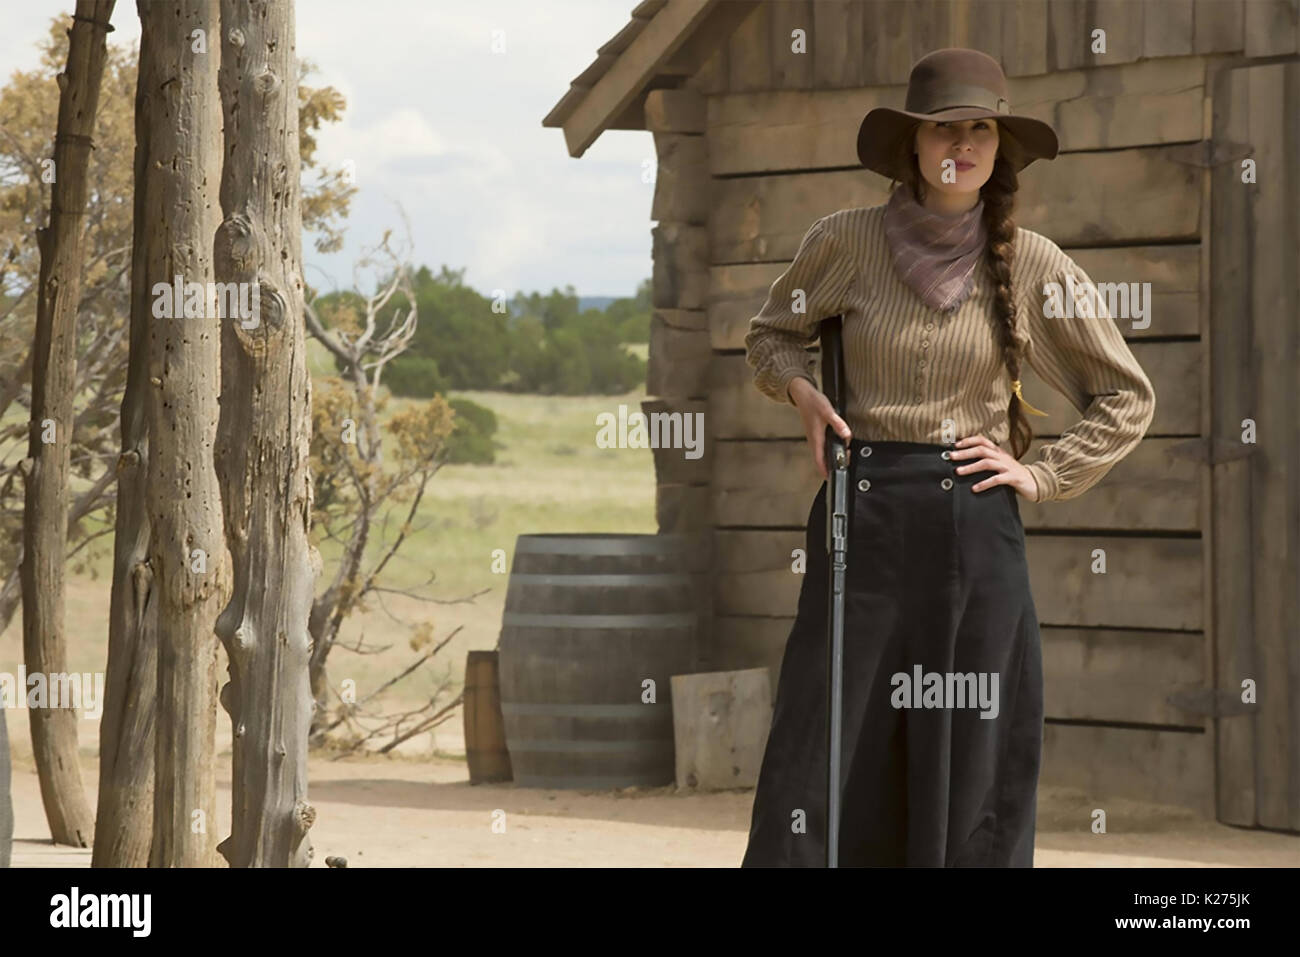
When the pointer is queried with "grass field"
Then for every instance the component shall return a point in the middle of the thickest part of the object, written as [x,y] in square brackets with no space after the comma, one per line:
[549,476]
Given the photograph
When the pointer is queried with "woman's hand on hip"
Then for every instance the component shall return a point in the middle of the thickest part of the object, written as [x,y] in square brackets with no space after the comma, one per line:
[817,412]
[987,457]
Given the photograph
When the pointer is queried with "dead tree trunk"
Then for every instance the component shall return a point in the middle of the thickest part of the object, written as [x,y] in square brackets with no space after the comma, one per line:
[6,801]
[124,819]
[45,510]
[187,546]
[264,436]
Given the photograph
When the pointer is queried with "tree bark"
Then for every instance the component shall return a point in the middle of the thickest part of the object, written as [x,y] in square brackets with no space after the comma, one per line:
[6,801]
[263,447]
[187,546]
[124,822]
[45,512]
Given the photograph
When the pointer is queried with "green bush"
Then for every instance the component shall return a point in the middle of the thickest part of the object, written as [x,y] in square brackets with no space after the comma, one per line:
[414,377]
[471,442]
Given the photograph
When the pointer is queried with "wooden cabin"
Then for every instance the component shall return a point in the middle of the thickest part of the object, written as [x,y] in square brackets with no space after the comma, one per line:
[1178,167]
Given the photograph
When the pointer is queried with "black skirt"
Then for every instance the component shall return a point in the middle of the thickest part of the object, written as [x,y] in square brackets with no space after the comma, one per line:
[943,684]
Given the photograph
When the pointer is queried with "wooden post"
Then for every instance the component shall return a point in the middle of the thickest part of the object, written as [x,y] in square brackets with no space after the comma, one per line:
[263,440]
[187,549]
[45,513]
[124,816]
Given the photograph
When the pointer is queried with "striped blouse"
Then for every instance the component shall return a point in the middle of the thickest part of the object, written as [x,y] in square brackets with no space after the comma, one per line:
[915,374]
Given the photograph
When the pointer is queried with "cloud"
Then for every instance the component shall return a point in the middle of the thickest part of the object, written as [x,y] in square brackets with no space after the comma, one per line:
[440,123]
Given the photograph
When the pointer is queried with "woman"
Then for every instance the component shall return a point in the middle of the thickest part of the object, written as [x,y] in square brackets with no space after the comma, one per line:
[943,300]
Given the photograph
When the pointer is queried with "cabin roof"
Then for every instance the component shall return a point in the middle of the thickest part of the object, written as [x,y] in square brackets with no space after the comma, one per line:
[663,44]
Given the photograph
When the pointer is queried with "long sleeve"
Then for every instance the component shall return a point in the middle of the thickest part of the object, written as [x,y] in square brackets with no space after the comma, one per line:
[810,290]
[1085,358]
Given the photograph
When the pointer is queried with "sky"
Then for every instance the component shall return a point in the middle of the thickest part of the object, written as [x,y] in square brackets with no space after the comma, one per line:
[451,130]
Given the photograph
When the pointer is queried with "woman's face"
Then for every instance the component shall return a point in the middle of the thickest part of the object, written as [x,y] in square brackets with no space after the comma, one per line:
[972,145]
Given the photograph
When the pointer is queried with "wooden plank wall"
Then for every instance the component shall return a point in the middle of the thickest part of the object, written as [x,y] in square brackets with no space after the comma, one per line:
[680,354]
[1127,198]
[872,43]
[1255,290]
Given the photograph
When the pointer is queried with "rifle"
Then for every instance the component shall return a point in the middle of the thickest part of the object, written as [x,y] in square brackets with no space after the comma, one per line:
[837,547]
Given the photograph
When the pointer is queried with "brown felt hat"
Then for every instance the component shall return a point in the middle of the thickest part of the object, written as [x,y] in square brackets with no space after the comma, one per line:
[947,85]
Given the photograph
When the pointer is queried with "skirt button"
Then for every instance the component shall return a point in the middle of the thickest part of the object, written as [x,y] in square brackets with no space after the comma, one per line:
[946,483]
[866,450]
[864,485]
[945,454]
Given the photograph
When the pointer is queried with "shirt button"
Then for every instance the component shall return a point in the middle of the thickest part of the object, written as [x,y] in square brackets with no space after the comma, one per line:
[864,485]
[925,343]
[923,363]
[866,450]
[946,483]
[917,400]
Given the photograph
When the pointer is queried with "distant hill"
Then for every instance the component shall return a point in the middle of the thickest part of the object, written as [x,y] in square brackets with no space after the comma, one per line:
[595,302]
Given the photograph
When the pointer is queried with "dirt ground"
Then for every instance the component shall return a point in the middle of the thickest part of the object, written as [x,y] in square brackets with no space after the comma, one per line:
[421,811]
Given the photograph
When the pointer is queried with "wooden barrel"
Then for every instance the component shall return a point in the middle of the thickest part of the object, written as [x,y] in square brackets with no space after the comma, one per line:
[589,619]
[485,731]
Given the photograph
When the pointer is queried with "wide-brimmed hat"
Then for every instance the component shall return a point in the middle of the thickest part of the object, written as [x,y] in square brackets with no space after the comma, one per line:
[947,85]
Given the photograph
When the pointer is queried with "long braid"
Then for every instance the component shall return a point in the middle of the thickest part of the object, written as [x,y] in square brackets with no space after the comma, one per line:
[999,202]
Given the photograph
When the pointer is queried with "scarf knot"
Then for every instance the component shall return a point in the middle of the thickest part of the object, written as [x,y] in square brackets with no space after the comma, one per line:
[934,255]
